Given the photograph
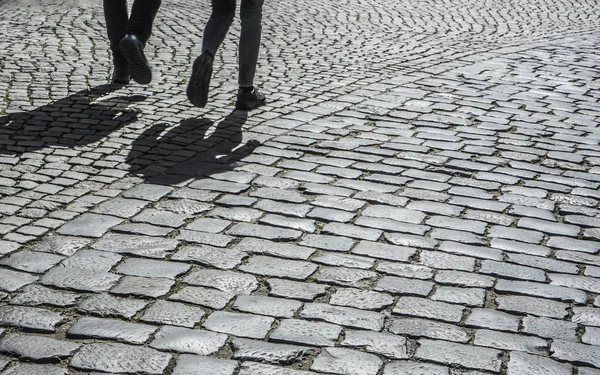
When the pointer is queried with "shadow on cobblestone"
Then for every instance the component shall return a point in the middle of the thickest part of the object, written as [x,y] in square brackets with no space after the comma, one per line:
[171,155]
[79,119]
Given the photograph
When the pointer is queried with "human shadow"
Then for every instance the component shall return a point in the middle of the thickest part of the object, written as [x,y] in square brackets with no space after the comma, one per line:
[78,119]
[165,155]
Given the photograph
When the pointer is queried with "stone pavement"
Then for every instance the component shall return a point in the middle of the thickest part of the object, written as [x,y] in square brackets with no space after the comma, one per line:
[420,196]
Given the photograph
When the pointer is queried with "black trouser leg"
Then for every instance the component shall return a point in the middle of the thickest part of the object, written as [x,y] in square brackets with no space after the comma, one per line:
[142,18]
[115,15]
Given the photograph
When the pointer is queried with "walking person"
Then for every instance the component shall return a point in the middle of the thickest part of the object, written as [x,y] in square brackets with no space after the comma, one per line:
[223,12]
[128,36]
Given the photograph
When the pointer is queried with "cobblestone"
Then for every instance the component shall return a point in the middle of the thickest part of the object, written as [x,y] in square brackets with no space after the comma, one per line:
[425,204]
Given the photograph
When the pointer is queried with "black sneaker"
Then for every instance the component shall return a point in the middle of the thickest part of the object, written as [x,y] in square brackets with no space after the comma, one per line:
[197,89]
[249,98]
[120,76]
[133,50]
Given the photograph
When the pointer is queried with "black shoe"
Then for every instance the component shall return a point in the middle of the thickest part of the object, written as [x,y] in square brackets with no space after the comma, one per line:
[120,76]
[133,50]
[249,98]
[197,89]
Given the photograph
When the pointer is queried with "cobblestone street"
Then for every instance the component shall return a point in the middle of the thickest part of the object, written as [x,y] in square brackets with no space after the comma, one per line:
[419,196]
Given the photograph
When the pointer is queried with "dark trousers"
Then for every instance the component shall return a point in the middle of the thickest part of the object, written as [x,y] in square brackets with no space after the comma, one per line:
[118,23]
[223,12]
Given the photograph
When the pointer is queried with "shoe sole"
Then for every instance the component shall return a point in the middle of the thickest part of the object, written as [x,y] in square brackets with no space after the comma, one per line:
[139,70]
[197,89]
[249,107]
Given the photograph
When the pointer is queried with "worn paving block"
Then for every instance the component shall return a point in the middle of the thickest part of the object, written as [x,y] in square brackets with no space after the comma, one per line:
[295,331]
[120,358]
[36,348]
[260,351]
[184,340]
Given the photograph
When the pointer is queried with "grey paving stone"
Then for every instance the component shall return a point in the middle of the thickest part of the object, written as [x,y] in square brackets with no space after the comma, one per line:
[331,243]
[414,368]
[89,327]
[29,261]
[149,192]
[345,276]
[465,296]
[509,341]
[527,364]
[184,340]
[511,271]
[568,243]
[344,316]
[14,280]
[330,215]
[142,229]
[79,279]
[346,361]
[425,308]
[384,251]
[192,364]
[361,299]
[549,227]
[428,328]
[275,267]
[264,231]
[543,263]
[591,336]
[343,260]
[542,290]
[207,224]
[297,331]
[212,239]
[222,258]
[109,306]
[120,358]
[152,268]
[36,348]
[252,368]
[212,298]
[92,260]
[352,231]
[589,284]
[406,270]
[304,225]
[586,315]
[33,369]
[184,206]
[402,239]
[173,313]
[266,352]
[575,353]
[395,213]
[385,344]
[296,290]
[531,305]
[492,319]
[37,295]
[258,246]
[465,355]
[404,286]
[550,328]
[288,209]
[225,281]
[30,318]
[143,246]
[220,186]
[89,225]
[439,260]
[473,251]
[241,325]
[234,214]
[587,371]
[153,287]
[161,218]
[464,279]
[520,247]
[120,207]
[276,307]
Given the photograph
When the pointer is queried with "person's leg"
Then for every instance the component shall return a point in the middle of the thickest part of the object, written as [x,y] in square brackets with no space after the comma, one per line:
[251,17]
[115,15]
[142,17]
[132,45]
[223,12]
